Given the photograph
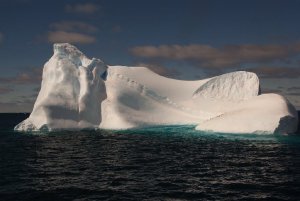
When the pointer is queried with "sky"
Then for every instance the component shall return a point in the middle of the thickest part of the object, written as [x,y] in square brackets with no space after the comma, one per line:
[180,39]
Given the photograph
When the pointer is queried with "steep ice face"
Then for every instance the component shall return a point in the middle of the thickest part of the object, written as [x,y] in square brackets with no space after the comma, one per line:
[78,92]
[71,93]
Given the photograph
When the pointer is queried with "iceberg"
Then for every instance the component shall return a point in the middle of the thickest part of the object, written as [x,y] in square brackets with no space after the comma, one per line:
[71,92]
[82,93]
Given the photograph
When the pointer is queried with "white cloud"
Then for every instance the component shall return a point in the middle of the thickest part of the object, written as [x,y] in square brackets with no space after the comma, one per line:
[69,37]
[73,26]
[87,8]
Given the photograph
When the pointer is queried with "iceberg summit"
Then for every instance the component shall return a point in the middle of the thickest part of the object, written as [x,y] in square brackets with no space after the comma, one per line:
[82,93]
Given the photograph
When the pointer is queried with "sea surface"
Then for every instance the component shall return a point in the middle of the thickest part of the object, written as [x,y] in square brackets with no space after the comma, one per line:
[155,163]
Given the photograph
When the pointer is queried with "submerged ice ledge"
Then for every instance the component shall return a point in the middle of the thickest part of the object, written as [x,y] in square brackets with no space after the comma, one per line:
[79,93]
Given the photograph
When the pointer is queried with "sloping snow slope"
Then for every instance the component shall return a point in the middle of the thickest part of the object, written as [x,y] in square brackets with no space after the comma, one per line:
[267,113]
[74,87]
[137,96]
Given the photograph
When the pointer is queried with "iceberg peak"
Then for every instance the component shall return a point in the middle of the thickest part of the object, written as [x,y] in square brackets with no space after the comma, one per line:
[66,49]
[74,55]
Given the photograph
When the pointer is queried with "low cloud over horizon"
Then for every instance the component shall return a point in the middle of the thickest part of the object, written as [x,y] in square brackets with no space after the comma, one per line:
[5,90]
[276,72]
[76,32]
[31,76]
[269,60]
[86,8]
[159,69]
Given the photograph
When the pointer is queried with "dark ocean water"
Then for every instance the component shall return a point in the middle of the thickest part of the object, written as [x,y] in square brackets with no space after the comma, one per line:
[158,163]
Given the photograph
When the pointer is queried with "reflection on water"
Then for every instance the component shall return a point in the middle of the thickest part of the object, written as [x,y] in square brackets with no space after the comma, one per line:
[158,163]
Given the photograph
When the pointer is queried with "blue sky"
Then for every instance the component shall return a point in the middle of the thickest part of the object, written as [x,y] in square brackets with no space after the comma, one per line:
[181,39]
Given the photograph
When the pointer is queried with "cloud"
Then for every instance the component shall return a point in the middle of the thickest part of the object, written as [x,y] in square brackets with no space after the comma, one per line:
[267,90]
[21,103]
[5,90]
[73,26]
[16,107]
[293,89]
[33,76]
[87,8]
[293,94]
[159,69]
[207,56]
[71,32]
[69,37]
[276,72]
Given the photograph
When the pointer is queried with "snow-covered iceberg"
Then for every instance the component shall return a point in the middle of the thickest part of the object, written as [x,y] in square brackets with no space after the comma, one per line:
[71,92]
[78,93]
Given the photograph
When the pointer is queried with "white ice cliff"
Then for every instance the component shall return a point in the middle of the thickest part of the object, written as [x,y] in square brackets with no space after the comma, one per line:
[78,93]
